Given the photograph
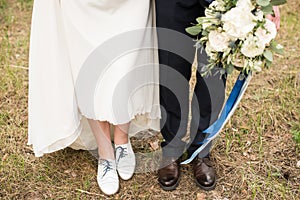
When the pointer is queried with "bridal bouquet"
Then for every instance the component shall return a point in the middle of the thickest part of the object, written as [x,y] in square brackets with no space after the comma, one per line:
[237,35]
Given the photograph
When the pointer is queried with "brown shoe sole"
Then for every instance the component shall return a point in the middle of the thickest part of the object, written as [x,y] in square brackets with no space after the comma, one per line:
[206,188]
[169,188]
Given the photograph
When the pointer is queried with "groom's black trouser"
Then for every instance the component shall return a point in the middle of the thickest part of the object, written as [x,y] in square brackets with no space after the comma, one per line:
[209,92]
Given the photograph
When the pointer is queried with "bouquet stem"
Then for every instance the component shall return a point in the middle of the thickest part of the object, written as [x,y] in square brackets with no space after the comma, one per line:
[192,84]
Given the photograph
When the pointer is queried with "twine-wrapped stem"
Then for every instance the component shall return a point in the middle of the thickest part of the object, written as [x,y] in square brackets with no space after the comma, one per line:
[192,84]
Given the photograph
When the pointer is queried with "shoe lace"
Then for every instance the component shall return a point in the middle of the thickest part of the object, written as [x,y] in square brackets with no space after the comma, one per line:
[107,166]
[123,152]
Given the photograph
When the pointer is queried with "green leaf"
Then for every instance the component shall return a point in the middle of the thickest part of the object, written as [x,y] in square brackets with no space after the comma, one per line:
[268,64]
[205,33]
[193,30]
[200,19]
[267,9]
[277,2]
[277,48]
[229,68]
[263,2]
[268,55]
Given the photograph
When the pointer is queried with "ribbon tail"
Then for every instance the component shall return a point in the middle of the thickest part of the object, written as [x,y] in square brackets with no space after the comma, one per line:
[228,110]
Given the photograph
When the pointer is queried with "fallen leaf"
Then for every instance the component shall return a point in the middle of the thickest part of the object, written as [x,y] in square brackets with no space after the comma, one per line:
[298,164]
[154,145]
[5,157]
[245,154]
[74,174]
[244,192]
[201,196]
[253,157]
[244,127]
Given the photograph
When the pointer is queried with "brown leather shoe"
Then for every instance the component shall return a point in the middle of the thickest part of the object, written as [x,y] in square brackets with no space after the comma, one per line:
[204,173]
[169,173]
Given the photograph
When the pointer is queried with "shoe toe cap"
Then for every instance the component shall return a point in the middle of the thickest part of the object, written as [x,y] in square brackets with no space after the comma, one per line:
[125,175]
[110,189]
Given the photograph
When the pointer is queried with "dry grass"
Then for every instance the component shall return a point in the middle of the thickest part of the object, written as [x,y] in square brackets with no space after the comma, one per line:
[255,156]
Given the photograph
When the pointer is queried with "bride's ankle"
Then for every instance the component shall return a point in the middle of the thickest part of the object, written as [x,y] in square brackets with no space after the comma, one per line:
[121,140]
[106,156]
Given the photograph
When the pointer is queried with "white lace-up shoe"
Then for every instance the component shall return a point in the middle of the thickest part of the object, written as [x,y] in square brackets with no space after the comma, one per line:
[125,160]
[107,176]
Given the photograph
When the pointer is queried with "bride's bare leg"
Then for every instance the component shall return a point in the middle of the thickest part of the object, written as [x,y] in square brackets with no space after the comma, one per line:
[121,134]
[107,176]
[101,132]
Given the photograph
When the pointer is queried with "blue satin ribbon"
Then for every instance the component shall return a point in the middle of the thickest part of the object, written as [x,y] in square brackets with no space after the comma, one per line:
[233,100]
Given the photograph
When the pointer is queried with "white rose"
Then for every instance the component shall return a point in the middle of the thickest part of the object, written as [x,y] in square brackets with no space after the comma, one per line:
[238,22]
[266,34]
[252,47]
[219,41]
[245,4]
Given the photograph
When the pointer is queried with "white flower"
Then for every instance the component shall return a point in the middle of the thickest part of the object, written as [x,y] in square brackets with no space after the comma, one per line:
[266,34]
[238,22]
[206,23]
[259,15]
[209,13]
[218,5]
[245,5]
[252,47]
[219,41]
[210,52]
[210,19]
[257,65]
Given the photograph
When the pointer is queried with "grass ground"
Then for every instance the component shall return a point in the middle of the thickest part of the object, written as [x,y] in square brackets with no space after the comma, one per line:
[255,157]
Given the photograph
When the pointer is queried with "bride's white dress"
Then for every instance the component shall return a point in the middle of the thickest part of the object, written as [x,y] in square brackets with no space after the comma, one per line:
[87,60]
